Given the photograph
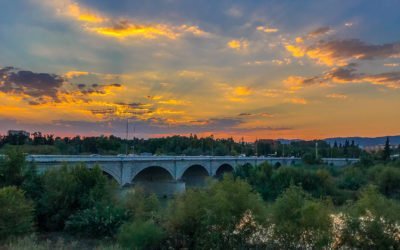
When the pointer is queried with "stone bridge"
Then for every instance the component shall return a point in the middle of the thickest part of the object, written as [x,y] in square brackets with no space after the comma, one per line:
[164,173]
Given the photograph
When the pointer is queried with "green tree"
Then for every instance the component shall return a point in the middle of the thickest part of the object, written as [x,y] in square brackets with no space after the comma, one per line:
[300,222]
[12,168]
[67,190]
[16,213]
[141,206]
[140,235]
[209,218]
[386,151]
[371,223]
[100,221]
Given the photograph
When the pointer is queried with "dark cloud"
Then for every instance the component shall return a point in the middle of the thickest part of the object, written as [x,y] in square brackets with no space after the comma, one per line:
[95,88]
[349,74]
[36,85]
[130,110]
[81,86]
[355,48]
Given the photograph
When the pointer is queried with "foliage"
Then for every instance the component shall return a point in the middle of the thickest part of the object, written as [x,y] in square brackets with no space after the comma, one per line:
[270,183]
[208,218]
[386,151]
[12,168]
[353,178]
[373,222]
[16,213]
[39,143]
[140,235]
[97,222]
[67,190]
[300,221]
[310,158]
[141,206]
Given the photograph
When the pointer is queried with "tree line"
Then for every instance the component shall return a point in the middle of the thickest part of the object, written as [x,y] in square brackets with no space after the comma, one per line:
[192,145]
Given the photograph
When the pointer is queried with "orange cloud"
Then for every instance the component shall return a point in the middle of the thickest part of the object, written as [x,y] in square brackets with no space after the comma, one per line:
[341,52]
[267,29]
[301,101]
[391,64]
[103,25]
[337,96]
[126,29]
[296,51]
[294,83]
[173,102]
[73,74]
[238,44]
[242,91]
[83,14]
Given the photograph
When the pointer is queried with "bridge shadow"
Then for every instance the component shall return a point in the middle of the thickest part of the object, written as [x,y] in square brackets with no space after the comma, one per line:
[157,180]
[223,169]
[195,176]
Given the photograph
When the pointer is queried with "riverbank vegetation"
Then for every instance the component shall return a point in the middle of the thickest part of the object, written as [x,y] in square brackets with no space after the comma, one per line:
[255,207]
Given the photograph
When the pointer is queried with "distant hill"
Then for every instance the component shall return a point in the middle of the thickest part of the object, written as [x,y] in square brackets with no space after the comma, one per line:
[366,141]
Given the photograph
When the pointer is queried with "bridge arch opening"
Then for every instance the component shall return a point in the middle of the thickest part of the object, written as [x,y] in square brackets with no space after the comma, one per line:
[195,176]
[277,164]
[153,174]
[110,177]
[157,180]
[223,169]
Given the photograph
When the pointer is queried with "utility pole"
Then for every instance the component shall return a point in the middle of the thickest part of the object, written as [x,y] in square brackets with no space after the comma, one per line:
[256,147]
[126,139]
[133,142]
[316,150]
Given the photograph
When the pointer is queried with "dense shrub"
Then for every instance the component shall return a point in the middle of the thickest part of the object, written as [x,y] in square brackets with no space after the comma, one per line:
[16,213]
[12,168]
[140,235]
[373,222]
[141,206]
[97,222]
[67,190]
[270,183]
[299,221]
[209,218]
[353,178]
[388,181]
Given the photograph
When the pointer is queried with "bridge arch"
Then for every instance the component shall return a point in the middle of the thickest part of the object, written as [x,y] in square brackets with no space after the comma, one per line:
[223,169]
[110,172]
[195,175]
[153,174]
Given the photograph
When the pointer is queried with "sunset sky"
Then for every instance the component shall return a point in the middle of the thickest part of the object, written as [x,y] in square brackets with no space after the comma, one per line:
[252,69]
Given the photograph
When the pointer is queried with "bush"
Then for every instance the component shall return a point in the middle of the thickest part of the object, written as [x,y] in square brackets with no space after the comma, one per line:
[140,235]
[209,218]
[141,206]
[97,222]
[300,221]
[67,190]
[373,222]
[12,168]
[388,181]
[353,178]
[16,213]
